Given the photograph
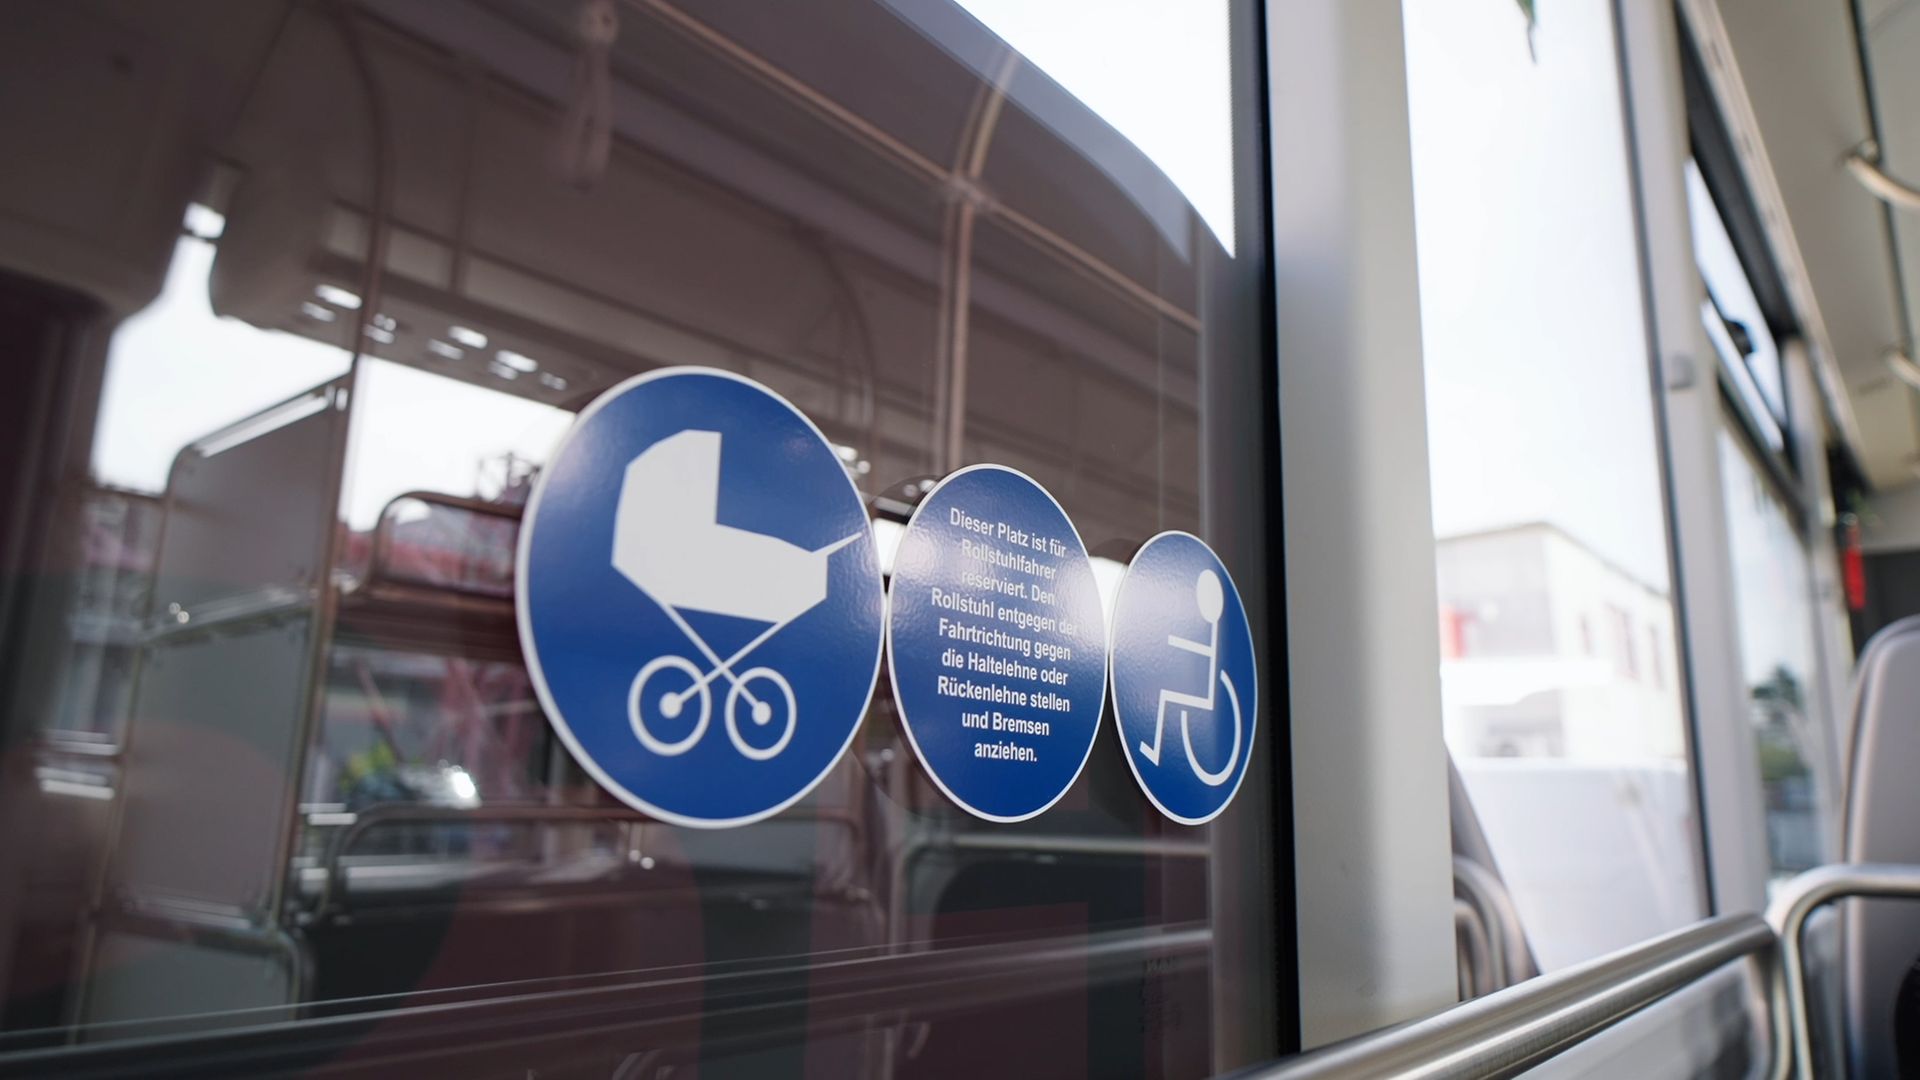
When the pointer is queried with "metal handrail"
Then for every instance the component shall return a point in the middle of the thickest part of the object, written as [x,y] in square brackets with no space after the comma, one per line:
[1796,902]
[332,885]
[168,919]
[1512,1030]
[1864,163]
[1478,969]
[379,559]
[1480,887]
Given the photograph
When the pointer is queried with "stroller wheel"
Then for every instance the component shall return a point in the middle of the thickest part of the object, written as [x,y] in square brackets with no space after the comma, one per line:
[763,710]
[669,705]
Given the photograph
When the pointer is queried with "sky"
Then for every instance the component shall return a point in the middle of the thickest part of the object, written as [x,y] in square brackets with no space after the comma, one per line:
[1157,70]
[177,372]
[1539,391]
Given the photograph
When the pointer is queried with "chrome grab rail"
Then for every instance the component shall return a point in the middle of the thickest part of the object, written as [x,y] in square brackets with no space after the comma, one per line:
[380,559]
[332,887]
[1484,891]
[333,884]
[1512,1030]
[1797,900]
[1478,969]
[1864,163]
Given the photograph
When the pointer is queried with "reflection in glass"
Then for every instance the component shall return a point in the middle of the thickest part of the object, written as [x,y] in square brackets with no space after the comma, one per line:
[1562,703]
[291,750]
[1774,601]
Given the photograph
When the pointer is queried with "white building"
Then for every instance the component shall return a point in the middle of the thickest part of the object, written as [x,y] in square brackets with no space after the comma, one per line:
[1548,650]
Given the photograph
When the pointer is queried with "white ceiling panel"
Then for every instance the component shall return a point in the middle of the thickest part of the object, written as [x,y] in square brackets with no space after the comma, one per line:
[1798,63]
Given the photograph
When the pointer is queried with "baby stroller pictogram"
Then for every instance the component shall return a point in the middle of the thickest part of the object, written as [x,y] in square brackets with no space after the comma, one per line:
[668,542]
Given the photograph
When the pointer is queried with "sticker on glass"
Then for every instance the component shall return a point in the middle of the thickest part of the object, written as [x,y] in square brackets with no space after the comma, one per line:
[699,597]
[997,643]
[1184,680]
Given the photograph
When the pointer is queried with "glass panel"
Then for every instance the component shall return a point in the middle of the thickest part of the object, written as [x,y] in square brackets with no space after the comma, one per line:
[1559,682]
[1734,321]
[310,292]
[1773,596]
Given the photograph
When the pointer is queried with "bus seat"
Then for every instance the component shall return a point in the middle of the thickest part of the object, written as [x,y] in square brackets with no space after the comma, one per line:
[1883,825]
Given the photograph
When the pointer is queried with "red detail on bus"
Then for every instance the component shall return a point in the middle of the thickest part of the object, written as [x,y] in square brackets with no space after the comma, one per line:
[1854,569]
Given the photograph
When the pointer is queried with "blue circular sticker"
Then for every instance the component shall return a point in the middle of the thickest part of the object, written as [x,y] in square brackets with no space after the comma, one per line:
[699,597]
[996,640]
[1185,690]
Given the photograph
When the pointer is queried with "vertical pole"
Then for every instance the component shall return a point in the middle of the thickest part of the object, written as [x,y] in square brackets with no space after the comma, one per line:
[1373,855]
[1688,411]
[956,294]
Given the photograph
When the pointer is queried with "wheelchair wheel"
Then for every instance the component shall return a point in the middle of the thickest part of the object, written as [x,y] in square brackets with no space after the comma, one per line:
[1215,779]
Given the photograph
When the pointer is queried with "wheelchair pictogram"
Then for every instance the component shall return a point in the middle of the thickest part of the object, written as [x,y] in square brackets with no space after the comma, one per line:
[670,545]
[1174,586]
[1210,598]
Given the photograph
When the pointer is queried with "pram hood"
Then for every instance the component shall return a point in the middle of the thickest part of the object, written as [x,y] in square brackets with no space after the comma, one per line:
[667,540]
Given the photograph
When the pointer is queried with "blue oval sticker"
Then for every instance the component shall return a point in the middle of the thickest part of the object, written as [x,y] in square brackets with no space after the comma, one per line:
[1185,690]
[996,641]
[699,597]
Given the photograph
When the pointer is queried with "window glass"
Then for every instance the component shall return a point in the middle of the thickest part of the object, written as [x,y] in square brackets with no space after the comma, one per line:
[304,297]
[1773,586]
[1562,707]
[1773,597]
[1734,322]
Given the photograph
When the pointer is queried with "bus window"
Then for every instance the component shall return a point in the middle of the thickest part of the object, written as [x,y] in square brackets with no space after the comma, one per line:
[1796,739]
[316,290]
[1562,709]
[1773,597]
